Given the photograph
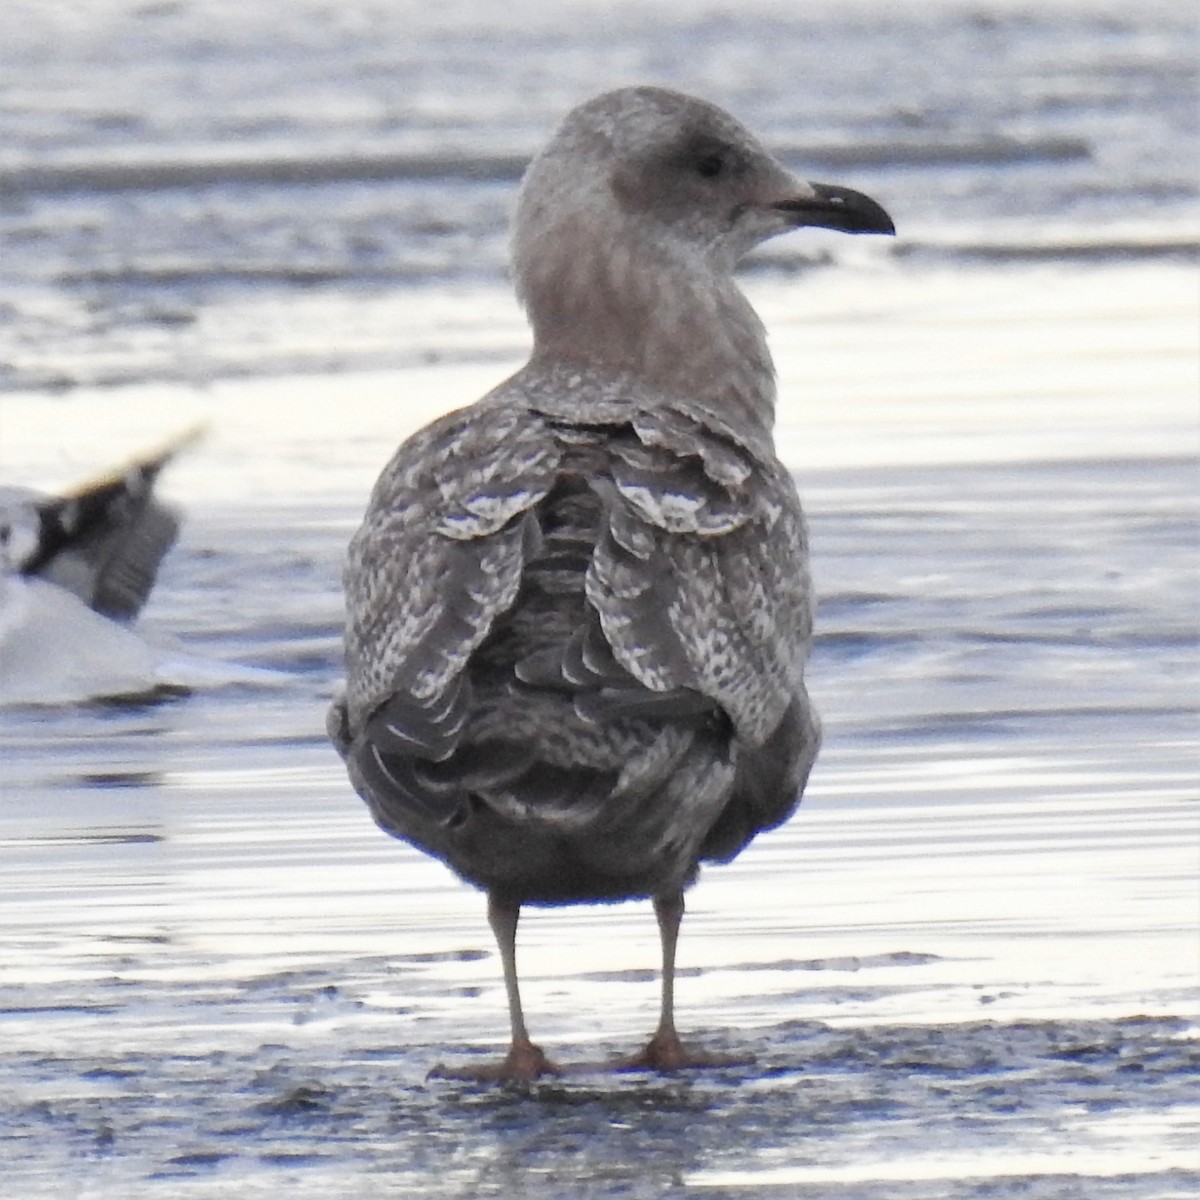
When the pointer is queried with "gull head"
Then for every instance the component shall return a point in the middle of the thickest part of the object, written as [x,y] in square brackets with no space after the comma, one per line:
[657,166]
[629,224]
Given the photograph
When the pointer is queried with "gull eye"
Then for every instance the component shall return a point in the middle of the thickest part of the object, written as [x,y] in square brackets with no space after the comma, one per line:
[709,166]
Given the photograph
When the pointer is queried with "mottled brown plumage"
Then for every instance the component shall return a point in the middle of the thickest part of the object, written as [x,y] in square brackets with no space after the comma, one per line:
[579,610]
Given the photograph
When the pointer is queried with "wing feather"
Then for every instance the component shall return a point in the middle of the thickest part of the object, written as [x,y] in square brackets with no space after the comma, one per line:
[441,552]
[700,578]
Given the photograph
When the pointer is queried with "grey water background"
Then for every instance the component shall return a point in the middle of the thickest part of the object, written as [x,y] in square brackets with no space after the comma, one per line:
[968,967]
[349,148]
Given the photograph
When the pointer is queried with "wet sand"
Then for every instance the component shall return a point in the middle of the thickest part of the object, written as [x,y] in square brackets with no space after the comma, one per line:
[967,968]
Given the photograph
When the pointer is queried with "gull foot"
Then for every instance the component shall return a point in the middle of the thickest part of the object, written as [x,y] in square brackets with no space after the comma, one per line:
[665,1052]
[522,1064]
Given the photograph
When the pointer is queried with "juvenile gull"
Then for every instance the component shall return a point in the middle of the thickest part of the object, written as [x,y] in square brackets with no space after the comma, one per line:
[578,611]
[75,569]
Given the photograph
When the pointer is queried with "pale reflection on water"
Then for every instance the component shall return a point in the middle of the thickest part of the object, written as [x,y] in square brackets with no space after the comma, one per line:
[217,975]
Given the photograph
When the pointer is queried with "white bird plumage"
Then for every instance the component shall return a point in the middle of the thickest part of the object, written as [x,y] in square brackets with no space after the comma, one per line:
[75,570]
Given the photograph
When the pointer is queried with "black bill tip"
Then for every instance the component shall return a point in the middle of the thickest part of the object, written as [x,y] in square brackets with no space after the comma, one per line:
[840,208]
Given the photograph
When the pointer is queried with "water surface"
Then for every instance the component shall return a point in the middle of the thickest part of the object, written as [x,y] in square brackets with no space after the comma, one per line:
[968,967]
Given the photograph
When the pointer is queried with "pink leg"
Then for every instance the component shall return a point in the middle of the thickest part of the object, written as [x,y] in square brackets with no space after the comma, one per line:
[664,1051]
[524,1060]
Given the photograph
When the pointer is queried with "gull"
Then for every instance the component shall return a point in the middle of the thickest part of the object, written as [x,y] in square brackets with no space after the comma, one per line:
[75,570]
[578,610]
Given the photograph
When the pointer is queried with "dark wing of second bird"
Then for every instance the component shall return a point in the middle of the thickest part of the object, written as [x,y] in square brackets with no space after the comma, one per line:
[105,540]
